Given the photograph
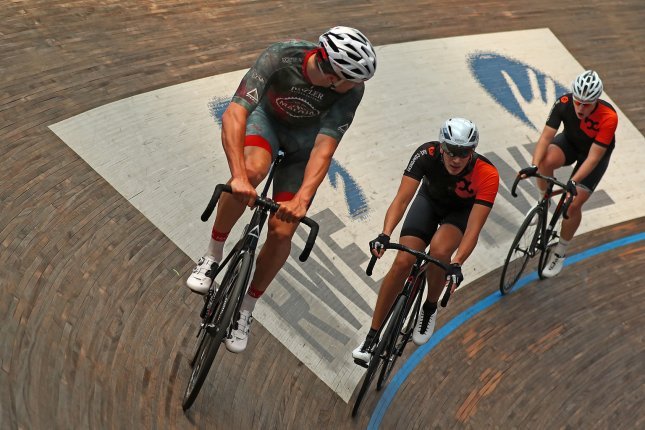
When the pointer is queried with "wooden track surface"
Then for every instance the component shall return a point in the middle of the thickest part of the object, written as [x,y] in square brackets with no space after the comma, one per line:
[96,323]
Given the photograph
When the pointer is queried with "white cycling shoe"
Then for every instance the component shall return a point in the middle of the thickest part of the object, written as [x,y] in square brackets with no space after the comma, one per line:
[199,281]
[240,334]
[424,328]
[554,265]
[362,356]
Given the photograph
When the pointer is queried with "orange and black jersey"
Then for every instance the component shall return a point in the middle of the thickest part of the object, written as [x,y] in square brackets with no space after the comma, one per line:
[599,127]
[478,183]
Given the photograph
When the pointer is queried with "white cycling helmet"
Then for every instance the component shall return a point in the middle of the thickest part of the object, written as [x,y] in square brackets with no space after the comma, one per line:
[458,135]
[351,55]
[587,87]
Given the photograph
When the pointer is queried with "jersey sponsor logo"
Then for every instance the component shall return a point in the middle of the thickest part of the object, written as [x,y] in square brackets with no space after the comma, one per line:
[564,99]
[253,95]
[414,159]
[591,124]
[290,60]
[522,90]
[255,75]
[431,151]
[311,92]
[296,107]
[343,128]
[463,190]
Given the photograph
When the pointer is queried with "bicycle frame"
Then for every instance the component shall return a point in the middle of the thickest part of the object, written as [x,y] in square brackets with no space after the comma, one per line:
[560,209]
[222,304]
[249,239]
[418,269]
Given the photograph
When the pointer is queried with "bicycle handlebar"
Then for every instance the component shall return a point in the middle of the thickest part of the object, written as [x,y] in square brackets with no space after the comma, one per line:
[550,179]
[420,256]
[266,204]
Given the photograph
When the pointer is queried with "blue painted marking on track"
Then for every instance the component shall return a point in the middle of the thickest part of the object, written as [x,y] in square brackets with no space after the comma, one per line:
[354,195]
[488,68]
[462,318]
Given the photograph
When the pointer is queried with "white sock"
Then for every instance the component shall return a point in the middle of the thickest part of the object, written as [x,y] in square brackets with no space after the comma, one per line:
[216,250]
[561,247]
[248,303]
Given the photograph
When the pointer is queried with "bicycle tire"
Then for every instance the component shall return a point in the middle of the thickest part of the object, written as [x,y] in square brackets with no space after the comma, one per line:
[512,270]
[210,311]
[403,337]
[377,359]
[544,255]
[223,316]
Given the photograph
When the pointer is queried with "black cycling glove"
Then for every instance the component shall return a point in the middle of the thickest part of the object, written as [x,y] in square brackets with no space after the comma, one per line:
[571,187]
[528,171]
[381,241]
[454,275]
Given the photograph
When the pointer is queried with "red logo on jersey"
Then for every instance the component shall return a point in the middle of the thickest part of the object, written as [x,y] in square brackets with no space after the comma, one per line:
[564,99]
[431,151]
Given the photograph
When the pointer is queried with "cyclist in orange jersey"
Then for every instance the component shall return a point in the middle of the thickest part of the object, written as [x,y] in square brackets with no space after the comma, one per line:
[587,139]
[458,189]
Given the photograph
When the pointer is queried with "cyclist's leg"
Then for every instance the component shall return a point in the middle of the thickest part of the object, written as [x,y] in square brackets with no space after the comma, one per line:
[287,180]
[275,251]
[260,149]
[585,188]
[418,228]
[569,227]
[559,153]
[444,243]
[393,280]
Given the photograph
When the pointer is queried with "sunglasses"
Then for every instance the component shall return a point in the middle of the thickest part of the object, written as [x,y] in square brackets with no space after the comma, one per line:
[456,151]
[583,104]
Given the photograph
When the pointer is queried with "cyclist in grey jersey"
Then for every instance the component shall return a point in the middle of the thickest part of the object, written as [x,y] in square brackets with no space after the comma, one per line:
[279,84]
[299,98]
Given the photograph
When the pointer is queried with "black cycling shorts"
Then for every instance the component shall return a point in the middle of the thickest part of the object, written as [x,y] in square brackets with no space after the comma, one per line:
[573,156]
[425,216]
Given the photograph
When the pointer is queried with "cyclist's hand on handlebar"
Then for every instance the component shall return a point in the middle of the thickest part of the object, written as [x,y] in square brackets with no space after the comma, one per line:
[454,277]
[243,191]
[292,211]
[377,246]
[528,171]
[571,188]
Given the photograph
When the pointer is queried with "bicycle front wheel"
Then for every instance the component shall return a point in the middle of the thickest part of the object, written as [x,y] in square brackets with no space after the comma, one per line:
[523,247]
[236,276]
[402,335]
[388,338]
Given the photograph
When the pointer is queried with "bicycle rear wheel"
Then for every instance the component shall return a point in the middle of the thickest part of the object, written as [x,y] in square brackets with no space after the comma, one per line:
[403,335]
[213,335]
[377,357]
[523,247]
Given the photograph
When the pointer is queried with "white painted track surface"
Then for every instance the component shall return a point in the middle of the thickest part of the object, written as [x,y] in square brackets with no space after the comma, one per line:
[162,151]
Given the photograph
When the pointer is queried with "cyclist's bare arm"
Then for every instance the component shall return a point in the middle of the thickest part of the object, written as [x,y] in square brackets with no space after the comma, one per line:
[596,152]
[316,170]
[404,195]
[233,133]
[476,220]
[548,133]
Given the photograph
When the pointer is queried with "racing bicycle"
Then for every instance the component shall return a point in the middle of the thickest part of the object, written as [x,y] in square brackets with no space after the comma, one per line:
[536,235]
[222,304]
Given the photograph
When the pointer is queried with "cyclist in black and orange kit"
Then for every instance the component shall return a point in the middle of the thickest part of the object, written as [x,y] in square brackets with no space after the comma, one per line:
[588,139]
[299,97]
[457,193]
